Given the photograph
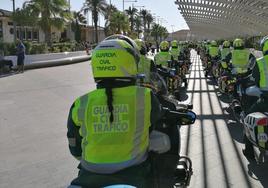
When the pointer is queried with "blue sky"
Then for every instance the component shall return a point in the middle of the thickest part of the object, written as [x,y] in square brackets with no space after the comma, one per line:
[164,9]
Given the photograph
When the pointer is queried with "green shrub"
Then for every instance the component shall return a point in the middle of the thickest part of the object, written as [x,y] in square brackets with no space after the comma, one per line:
[8,48]
[28,47]
[66,46]
[65,49]
[55,49]
[39,48]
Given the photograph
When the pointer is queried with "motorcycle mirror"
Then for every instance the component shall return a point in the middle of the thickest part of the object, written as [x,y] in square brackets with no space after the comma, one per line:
[188,118]
[140,76]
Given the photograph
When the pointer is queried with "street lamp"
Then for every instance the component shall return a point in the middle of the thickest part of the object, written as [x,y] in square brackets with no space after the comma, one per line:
[14,23]
[127,1]
[172,27]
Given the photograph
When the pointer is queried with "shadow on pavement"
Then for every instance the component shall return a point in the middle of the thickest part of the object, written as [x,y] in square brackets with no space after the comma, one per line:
[235,132]
[9,74]
[258,172]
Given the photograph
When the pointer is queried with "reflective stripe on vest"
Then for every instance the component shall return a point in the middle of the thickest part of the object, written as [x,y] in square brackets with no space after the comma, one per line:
[144,67]
[263,68]
[162,58]
[122,143]
[240,60]
[225,52]
[78,116]
[213,51]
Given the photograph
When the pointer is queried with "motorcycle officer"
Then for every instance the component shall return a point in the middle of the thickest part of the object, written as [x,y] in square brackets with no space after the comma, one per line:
[224,52]
[213,50]
[175,49]
[146,65]
[108,128]
[225,49]
[163,57]
[260,77]
[213,55]
[240,60]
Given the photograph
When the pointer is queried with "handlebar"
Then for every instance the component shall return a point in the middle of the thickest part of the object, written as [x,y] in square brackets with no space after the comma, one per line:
[179,118]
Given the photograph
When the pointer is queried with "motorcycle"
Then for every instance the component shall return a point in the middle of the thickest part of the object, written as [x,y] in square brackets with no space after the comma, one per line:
[173,81]
[242,100]
[215,70]
[181,70]
[168,169]
[211,68]
[255,126]
[227,84]
[159,87]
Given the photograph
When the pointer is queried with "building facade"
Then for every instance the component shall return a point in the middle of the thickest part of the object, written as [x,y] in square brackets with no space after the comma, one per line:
[23,32]
[88,34]
[181,35]
[35,34]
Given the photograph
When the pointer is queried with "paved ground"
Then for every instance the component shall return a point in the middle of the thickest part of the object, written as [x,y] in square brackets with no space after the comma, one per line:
[34,152]
[214,142]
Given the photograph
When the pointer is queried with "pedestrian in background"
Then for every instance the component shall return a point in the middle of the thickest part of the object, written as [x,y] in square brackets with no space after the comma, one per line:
[20,56]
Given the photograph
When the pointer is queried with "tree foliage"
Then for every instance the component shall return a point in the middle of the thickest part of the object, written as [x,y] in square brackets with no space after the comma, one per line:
[132,13]
[96,7]
[159,32]
[119,23]
[51,13]
[78,20]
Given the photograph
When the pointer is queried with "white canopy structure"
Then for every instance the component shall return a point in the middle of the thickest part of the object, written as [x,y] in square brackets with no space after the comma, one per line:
[219,19]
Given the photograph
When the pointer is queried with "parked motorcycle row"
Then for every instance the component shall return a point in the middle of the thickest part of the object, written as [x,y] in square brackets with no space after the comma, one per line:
[242,93]
[167,79]
[168,82]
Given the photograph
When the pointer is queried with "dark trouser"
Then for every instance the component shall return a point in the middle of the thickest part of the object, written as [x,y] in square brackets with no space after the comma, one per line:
[243,83]
[20,63]
[139,176]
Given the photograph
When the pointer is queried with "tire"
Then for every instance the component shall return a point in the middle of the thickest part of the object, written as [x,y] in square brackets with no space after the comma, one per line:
[206,74]
[178,96]
[249,150]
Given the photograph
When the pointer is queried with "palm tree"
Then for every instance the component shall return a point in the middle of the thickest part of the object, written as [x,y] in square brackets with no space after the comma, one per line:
[131,12]
[149,20]
[24,17]
[119,23]
[155,32]
[144,13]
[52,13]
[163,33]
[110,9]
[137,23]
[96,7]
[159,32]
[78,20]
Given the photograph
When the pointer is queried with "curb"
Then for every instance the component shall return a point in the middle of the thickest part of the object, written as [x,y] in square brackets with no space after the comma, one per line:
[57,62]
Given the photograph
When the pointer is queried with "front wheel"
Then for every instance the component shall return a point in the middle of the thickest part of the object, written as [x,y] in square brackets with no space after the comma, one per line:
[249,150]
[206,74]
